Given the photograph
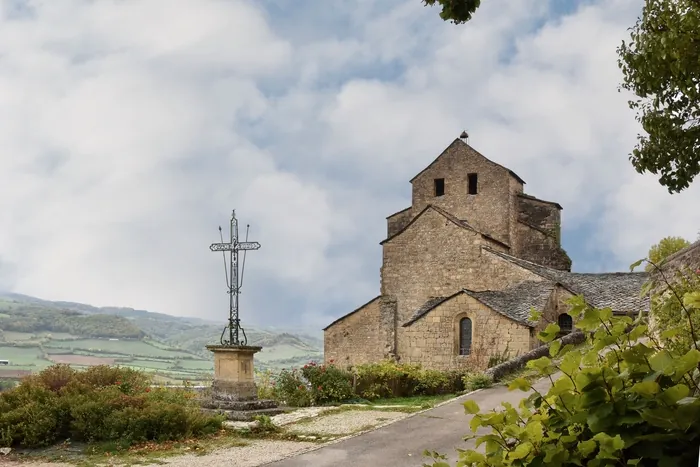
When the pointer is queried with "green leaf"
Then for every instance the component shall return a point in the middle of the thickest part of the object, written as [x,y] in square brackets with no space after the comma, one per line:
[570,362]
[662,362]
[521,451]
[687,362]
[675,393]
[670,333]
[541,363]
[550,333]
[586,448]
[470,407]
[519,383]
[590,320]
[638,332]
[636,264]
[633,461]
[554,348]
[646,389]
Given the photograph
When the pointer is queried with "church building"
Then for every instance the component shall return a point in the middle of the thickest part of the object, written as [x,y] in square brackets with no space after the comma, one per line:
[462,268]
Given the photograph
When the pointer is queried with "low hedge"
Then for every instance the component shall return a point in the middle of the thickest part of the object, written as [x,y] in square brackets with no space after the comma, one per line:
[316,383]
[101,403]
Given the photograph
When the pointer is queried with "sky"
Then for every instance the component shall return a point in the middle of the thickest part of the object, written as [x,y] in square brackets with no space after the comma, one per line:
[130,129]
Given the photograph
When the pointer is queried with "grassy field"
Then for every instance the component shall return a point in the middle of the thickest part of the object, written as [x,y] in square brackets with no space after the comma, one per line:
[80,360]
[21,355]
[158,365]
[281,352]
[120,347]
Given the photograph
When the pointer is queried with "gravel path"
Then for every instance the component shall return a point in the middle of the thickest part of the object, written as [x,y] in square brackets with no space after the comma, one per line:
[257,452]
[345,423]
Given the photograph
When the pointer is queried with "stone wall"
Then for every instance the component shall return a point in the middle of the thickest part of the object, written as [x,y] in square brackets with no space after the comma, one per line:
[555,306]
[356,338]
[436,258]
[433,340]
[488,210]
[538,233]
[688,257]
[397,221]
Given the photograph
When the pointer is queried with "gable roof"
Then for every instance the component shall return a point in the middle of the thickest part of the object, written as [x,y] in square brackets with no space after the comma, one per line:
[533,198]
[459,141]
[352,312]
[620,291]
[398,212]
[458,222]
[514,302]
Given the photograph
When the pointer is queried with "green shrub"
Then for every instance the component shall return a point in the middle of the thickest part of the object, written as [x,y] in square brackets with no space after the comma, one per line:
[671,315]
[390,379]
[474,381]
[620,401]
[328,383]
[267,386]
[99,404]
[498,358]
[292,389]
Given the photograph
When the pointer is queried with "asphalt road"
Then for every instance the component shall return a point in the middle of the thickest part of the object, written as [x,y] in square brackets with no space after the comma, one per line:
[402,443]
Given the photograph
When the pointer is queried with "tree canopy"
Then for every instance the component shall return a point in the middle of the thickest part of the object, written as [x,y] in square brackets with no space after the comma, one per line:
[665,248]
[661,65]
[457,11]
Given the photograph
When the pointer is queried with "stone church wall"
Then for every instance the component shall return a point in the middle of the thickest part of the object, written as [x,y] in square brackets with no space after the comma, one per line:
[539,234]
[433,340]
[355,339]
[397,221]
[436,258]
[487,210]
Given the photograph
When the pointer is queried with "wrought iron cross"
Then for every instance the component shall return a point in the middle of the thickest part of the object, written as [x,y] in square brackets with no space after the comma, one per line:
[234,285]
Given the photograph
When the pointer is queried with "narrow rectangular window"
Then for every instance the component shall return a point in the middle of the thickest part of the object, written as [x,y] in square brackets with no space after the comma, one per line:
[439,186]
[472,181]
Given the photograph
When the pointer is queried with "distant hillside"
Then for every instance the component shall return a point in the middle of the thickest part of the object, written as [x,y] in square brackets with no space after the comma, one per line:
[30,319]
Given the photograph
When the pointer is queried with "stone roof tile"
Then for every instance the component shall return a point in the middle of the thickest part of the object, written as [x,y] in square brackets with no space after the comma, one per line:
[516,301]
[620,291]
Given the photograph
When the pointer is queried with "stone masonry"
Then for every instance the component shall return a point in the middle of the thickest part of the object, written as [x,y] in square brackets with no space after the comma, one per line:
[472,244]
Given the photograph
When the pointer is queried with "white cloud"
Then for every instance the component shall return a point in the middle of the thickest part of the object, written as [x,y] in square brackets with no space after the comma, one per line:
[131,129]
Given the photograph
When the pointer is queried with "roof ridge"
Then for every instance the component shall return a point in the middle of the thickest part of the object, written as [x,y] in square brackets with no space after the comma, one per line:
[459,141]
[538,266]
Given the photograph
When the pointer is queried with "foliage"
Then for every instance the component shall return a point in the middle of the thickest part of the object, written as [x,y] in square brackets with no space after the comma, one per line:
[390,379]
[99,404]
[621,400]
[267,386]
[6,385]
[498,358]
[328,383]
[665,248]
[474,381]
[661,65]
[457,11]
[292,389]
[34,318]
[672,310]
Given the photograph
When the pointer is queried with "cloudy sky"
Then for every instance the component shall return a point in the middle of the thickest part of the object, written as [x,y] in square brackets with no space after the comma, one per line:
[130,129]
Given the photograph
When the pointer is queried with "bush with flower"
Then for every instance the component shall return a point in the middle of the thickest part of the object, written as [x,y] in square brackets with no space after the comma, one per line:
[101,403]
[328,383]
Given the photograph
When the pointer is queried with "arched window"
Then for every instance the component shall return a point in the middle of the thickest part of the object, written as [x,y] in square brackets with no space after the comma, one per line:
[465,336]
[566,323]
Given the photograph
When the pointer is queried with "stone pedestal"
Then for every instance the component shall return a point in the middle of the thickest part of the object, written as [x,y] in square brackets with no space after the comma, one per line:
[234,393]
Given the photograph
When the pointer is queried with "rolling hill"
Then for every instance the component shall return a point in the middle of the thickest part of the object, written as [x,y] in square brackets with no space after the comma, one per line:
[36,333]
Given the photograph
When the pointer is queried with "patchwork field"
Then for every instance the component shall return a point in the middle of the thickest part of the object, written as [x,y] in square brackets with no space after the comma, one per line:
[80,360]
[135,348]
[35,334]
